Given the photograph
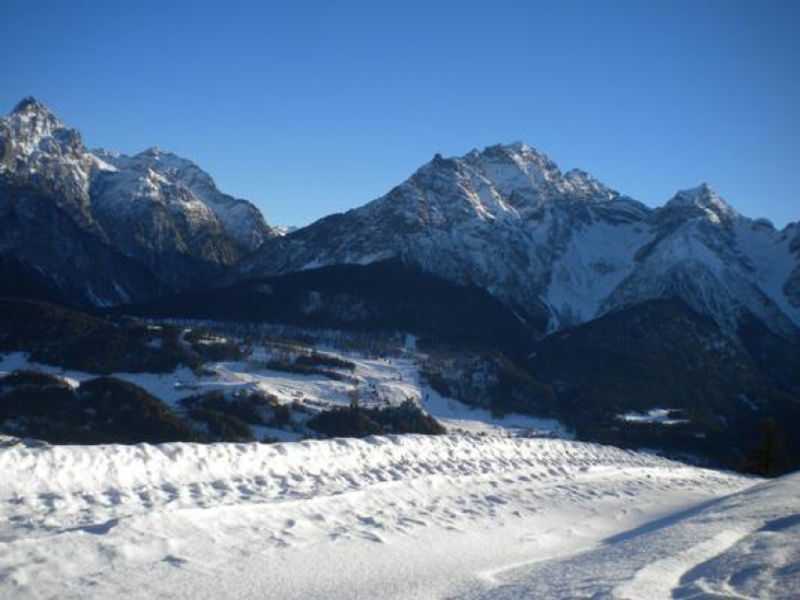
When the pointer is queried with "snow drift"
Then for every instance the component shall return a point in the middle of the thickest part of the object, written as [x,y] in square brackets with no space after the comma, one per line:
[407,516]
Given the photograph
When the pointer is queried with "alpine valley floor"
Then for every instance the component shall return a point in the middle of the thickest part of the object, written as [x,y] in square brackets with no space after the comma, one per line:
[389,517]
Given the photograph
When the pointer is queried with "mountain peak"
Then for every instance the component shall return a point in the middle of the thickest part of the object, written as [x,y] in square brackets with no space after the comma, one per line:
[31,122]
[702,200]
[513,150]
[153,151]
[520,146]
[584,185]
[704,197]
[519,174]
[514,169]
[31,106]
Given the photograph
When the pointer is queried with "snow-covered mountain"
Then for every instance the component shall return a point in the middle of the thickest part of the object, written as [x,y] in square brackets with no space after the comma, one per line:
[719,262]
[156,174]
[156,209]
[559,248]
[37,147]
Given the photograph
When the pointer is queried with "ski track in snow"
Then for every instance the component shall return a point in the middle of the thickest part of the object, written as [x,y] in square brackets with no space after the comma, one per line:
[657,580]
[729,547]
[415,516]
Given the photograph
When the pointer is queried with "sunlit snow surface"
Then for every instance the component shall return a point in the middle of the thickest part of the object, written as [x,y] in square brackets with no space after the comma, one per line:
[477,514]
[388,517]
[656,416]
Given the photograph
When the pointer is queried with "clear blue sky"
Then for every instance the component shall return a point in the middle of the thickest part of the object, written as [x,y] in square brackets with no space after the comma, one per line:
[307,108]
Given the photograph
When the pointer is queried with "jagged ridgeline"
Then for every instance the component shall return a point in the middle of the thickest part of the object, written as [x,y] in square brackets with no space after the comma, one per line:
[98,228]
[558,249]
[615,308]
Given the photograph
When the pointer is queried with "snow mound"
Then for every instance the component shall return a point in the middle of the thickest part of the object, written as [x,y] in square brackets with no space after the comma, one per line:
[406,516]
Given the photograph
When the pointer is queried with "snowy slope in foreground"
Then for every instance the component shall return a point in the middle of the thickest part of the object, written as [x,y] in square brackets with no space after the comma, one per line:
[744,546]
[384,517]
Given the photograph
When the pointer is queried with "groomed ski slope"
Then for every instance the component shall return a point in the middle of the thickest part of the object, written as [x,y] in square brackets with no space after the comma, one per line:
[386,517]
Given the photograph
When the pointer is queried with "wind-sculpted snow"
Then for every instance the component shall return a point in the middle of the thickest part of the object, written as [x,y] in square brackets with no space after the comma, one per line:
[177,475]
[409,516]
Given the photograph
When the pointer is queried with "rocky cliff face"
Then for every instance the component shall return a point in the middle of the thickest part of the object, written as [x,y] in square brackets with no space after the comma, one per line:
[46,254]
[559,248]
[167,178]
[41,151]
[155,212]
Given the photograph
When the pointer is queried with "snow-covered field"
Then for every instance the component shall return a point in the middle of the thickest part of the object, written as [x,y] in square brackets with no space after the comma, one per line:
[388,517]
[485,512]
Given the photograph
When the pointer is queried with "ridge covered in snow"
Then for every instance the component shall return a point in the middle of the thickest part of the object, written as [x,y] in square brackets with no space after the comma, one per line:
[36,146]
[390,517]
[144,172]
[155,208]
[558,248]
